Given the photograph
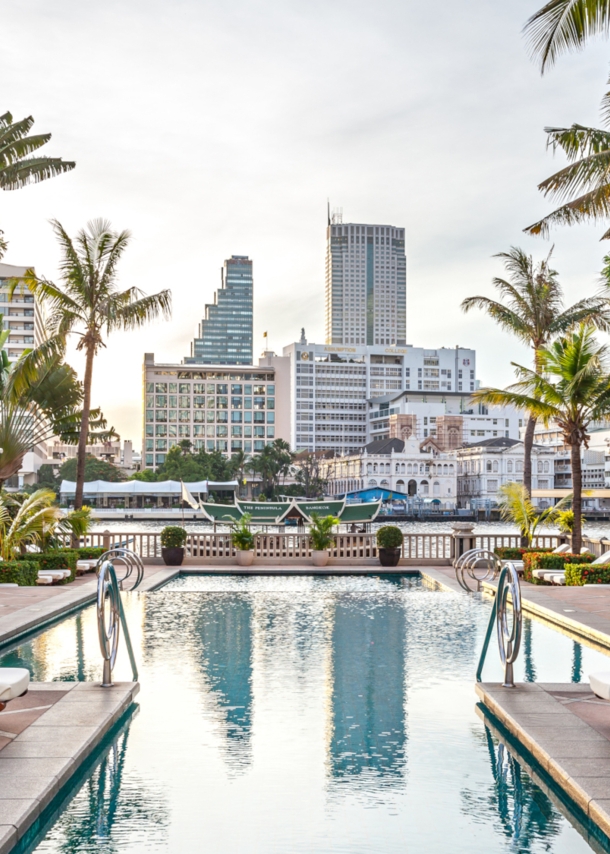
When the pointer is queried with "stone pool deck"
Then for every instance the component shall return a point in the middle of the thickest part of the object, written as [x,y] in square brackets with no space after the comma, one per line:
[45,737]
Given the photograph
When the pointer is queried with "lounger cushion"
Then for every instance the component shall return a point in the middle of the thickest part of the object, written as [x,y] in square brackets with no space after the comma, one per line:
[8,584]
[600,683]
[14,682]
[605,558]
[561,549]
[44,579]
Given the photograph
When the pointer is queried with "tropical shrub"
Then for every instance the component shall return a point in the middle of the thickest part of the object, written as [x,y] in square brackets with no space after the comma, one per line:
[578,574]
[21,572]
[173,537]
[541,560]
[321,532]
[26,522]
[89,553]
[241,535]
[389,537]
[64,559]
[516,506]
[508,553]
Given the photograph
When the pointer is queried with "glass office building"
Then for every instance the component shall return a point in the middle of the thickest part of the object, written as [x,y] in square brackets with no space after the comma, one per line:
[225,334]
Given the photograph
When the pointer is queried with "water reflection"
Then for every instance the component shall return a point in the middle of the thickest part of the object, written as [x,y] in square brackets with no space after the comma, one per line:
[223,628]
[368,694]
[109,805]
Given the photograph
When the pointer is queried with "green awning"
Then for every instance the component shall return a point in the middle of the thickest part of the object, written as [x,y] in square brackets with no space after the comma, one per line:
[322,508]
[265,512]
[220,512]
[360,512]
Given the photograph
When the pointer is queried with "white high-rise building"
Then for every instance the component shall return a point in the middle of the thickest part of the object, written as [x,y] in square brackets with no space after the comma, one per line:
[366,284]
[22,314]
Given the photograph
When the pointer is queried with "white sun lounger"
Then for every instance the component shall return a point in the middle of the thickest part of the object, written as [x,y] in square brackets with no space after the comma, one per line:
[14,682]
[600,684]
[44,579]
[561,550]
[55,574]
[605,558]
[8,584]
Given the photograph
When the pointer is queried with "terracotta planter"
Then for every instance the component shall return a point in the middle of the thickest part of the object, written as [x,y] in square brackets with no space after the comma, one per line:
[173,556]
[389,557]
[244,557]
[319,558]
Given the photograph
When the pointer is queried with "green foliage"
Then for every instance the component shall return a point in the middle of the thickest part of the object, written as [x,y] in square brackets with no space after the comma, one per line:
[309,480]
[145,476]
[565,521]
[241,534]
[27,521]
[89,553]
[507,553]
[516,506]
[273,463]
[578,574]
[17,168]
[47,478]
[21,572]
[95,469]
[182,464]
[173,537]
[389,537]
[321,531]
[540,560]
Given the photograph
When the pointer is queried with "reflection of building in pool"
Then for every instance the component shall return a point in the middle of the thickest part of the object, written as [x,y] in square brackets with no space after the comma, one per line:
[368,694]
[224,627]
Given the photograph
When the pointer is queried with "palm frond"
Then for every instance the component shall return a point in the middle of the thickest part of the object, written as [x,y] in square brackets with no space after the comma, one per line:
[564,25]
[32,170]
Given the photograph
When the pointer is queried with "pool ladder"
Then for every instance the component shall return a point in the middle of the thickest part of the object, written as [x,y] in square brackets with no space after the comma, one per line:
[110,611]
[509,634]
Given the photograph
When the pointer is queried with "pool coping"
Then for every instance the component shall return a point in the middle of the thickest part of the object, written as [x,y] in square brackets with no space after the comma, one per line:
[525,712]
[41,760]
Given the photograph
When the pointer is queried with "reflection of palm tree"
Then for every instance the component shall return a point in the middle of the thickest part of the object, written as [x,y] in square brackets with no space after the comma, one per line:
[530,670]
[526,814]
[576,662]
[104,810]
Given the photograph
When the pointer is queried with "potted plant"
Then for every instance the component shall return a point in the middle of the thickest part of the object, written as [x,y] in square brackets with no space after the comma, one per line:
[389,545]
[243,540]
[321,536]
[173,538]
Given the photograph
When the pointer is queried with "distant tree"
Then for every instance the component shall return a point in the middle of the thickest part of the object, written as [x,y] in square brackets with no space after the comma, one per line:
[146,475]
[47,478]
[308,474]
[272,464]
[95,469]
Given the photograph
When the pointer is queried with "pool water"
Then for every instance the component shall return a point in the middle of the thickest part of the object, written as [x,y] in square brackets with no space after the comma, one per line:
[306,715]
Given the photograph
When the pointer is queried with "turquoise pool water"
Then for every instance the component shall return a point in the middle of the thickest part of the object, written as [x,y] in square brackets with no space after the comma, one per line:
[306,715]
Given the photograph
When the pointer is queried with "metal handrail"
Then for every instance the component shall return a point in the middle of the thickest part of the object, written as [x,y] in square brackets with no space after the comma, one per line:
[509,638]
[109,591]
[468,563]
[130,559]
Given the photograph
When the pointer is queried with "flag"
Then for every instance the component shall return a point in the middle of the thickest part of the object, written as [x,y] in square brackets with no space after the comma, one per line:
[186,496]
[264,334]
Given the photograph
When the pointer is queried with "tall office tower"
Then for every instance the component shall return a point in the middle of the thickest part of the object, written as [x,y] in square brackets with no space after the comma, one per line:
[22,313]
[366,284]
[225,334]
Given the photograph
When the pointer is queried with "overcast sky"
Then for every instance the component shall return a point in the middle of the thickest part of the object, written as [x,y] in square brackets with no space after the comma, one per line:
[217,128]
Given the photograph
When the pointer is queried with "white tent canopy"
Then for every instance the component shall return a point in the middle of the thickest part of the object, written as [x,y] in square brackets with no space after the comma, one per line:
[140,487]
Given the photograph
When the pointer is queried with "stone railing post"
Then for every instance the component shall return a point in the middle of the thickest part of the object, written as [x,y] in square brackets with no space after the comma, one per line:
[106,540]
[463,538]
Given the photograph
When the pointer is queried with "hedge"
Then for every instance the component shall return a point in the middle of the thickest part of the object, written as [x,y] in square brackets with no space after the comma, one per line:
[88,553]
[508,553]
[544,560]
[578,574]
[65,559]
[21,572]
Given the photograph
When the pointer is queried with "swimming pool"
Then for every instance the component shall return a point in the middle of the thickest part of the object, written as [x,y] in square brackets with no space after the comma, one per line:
[305,715]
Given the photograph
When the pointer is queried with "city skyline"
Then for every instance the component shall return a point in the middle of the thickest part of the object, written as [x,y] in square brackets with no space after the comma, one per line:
[416,136]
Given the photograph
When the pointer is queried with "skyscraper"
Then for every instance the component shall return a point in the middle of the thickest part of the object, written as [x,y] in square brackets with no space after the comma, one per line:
[366,284]
[225,334]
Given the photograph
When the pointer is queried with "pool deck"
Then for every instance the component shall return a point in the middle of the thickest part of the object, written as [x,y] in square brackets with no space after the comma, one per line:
[45,737]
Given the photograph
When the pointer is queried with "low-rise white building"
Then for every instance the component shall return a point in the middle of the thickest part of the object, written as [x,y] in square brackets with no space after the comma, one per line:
[405,468]
[483,467]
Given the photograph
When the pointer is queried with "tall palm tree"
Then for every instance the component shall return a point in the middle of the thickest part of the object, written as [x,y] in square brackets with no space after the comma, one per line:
[532,309]
[17,168]
[87,303]
[564,25]
[570,386]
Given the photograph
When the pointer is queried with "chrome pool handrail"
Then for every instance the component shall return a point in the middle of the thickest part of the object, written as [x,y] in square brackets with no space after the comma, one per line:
[130,559]
[467,565]
[108,591]
[509,639]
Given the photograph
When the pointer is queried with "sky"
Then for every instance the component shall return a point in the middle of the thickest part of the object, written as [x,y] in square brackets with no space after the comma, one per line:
[211,129]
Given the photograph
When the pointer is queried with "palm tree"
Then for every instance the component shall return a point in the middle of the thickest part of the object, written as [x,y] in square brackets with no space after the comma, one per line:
[570,386]
[40,397]
[17,169]
[563,25]
[89,304]
[32,522]
[532,309]
[516,506]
